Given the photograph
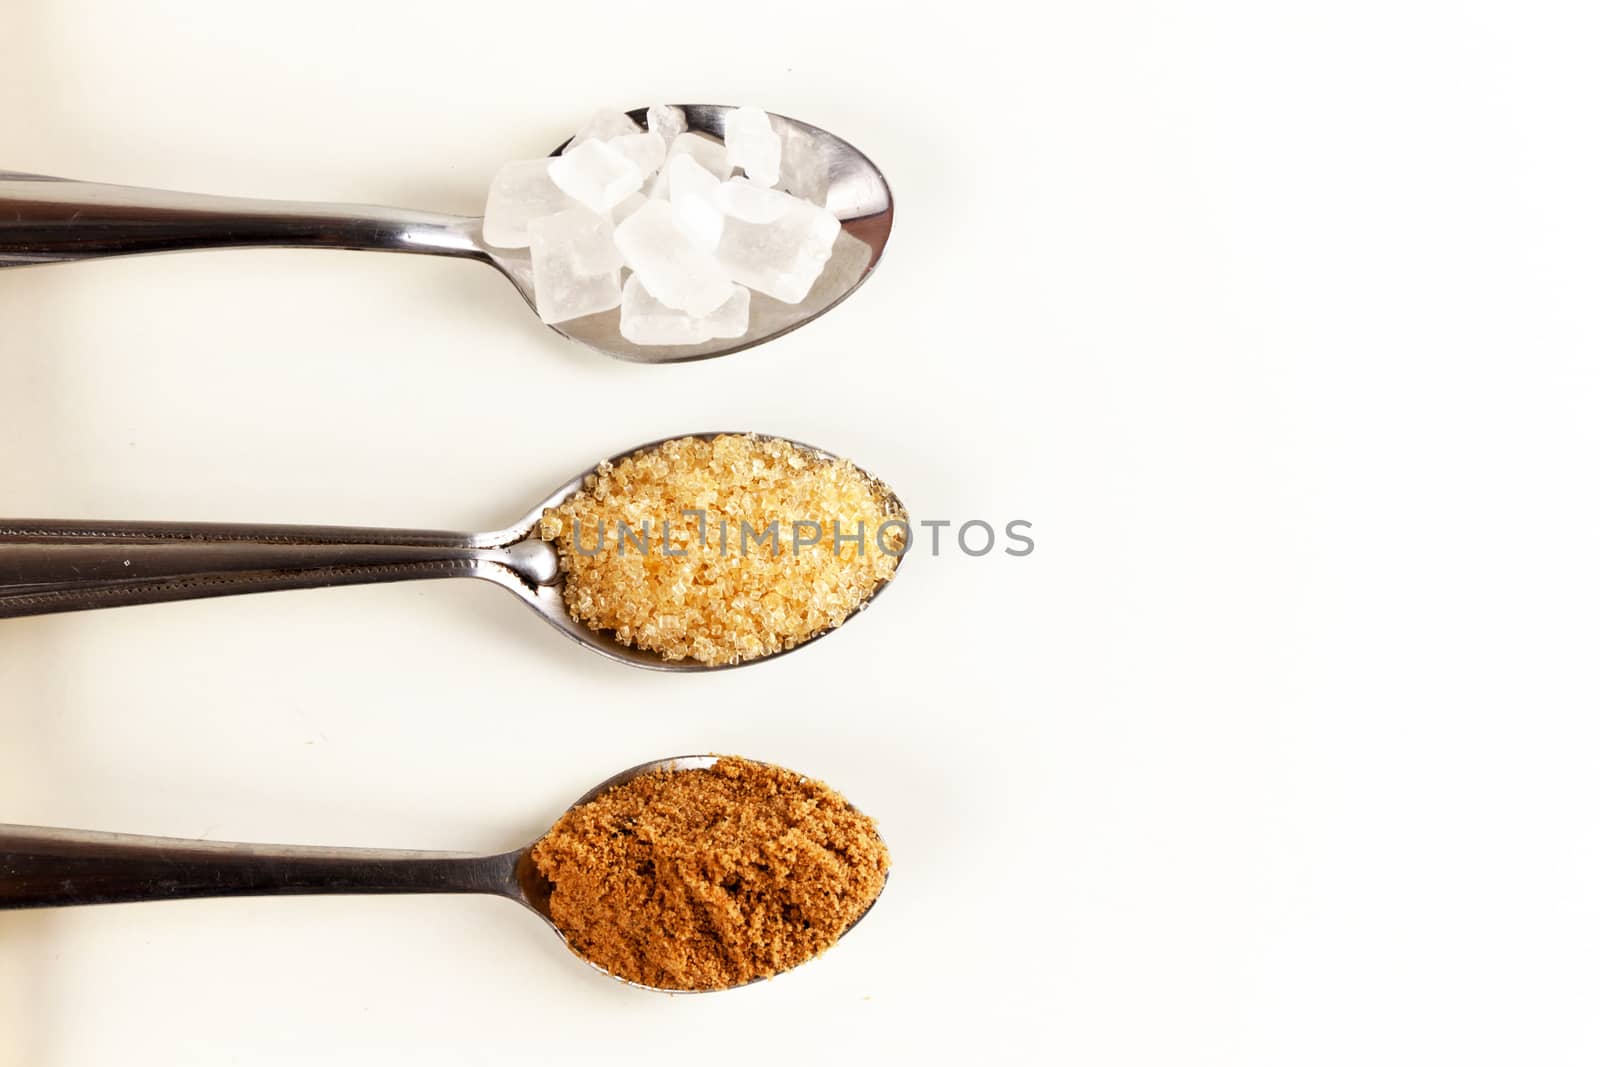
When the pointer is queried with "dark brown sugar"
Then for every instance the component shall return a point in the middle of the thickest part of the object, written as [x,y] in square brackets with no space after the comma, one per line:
[704,879]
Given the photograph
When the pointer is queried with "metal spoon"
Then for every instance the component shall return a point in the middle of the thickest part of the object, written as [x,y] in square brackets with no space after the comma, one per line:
[44,867]
[49,566]
[54,220]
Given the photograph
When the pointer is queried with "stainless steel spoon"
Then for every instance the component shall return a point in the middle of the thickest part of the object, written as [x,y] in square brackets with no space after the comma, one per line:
[44,867]
[55,220]
[49,566]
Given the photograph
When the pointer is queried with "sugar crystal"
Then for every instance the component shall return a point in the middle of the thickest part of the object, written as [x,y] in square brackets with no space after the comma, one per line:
[668,121]
[780,258]
[744,199]
[646,151]
[753,144]
[663,203]
[677,271]
[694,200]
[632,203]
[596,175]
[647,321]
[847,263]
[575,265]
[709,153]
[521,191]
[804,170]
[590,240]
[603,125]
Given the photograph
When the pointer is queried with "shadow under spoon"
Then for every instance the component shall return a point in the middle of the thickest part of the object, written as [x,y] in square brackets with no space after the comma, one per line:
[58,220]
[44,867]
[49,566]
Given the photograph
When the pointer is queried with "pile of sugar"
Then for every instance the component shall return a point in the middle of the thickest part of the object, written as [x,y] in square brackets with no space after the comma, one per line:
[656,221]
[706,879]
[713,604]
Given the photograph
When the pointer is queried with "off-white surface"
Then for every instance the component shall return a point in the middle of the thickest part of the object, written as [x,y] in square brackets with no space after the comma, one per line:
[1279,750]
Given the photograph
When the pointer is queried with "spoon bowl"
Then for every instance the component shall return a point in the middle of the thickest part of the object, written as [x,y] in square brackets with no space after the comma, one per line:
[49,566]
[534,889]
[858,196]
[43,867]
[546,598]
[57,220]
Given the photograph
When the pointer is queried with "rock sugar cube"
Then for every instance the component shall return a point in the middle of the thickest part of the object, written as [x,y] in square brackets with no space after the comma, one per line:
[667,120]
[602,126]
[596,175]
[647,151]
[710,154]
[632,203]
[647,321]
[677,271]
[521,191]
[693,194]
[848,262]
[575,265]
[804,168]
[744,199]
[780,258]
[753,144]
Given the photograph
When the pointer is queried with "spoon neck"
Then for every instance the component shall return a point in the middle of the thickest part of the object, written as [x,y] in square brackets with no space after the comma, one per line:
[56,220]
[46,867]
[49,566]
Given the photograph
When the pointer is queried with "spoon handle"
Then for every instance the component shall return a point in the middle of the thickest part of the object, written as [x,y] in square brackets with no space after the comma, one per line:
[55,220]
[43,867]
[48,566]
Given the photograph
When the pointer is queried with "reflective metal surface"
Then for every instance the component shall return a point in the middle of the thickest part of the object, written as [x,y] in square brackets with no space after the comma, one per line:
[49,566]
[57,220]
[44,867]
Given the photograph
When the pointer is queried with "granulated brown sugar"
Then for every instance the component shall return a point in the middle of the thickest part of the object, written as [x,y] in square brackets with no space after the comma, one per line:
[708,591]
[704,879]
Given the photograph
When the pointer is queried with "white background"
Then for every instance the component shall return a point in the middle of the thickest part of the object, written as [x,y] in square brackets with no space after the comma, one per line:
[1277,320]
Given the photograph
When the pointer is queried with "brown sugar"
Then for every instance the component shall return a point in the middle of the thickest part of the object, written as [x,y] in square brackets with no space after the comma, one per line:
[704,583]
[709,878]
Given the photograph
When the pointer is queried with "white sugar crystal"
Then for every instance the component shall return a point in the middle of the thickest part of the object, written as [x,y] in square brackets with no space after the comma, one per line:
[602,126]
[849,261]
[633,203]
[707,152]
[596,175]
[753,144]
[780,258]
[646,151]
[647,321]
[677,271]
[521,191]
[744,199]
[694,200]
[589,240]
[575,265]
[667,120]
[804,171]
[658,188]
[732,318]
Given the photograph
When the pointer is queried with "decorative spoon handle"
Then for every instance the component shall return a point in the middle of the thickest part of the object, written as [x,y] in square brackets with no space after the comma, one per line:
[41,867]
[48,566]
[54,220]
